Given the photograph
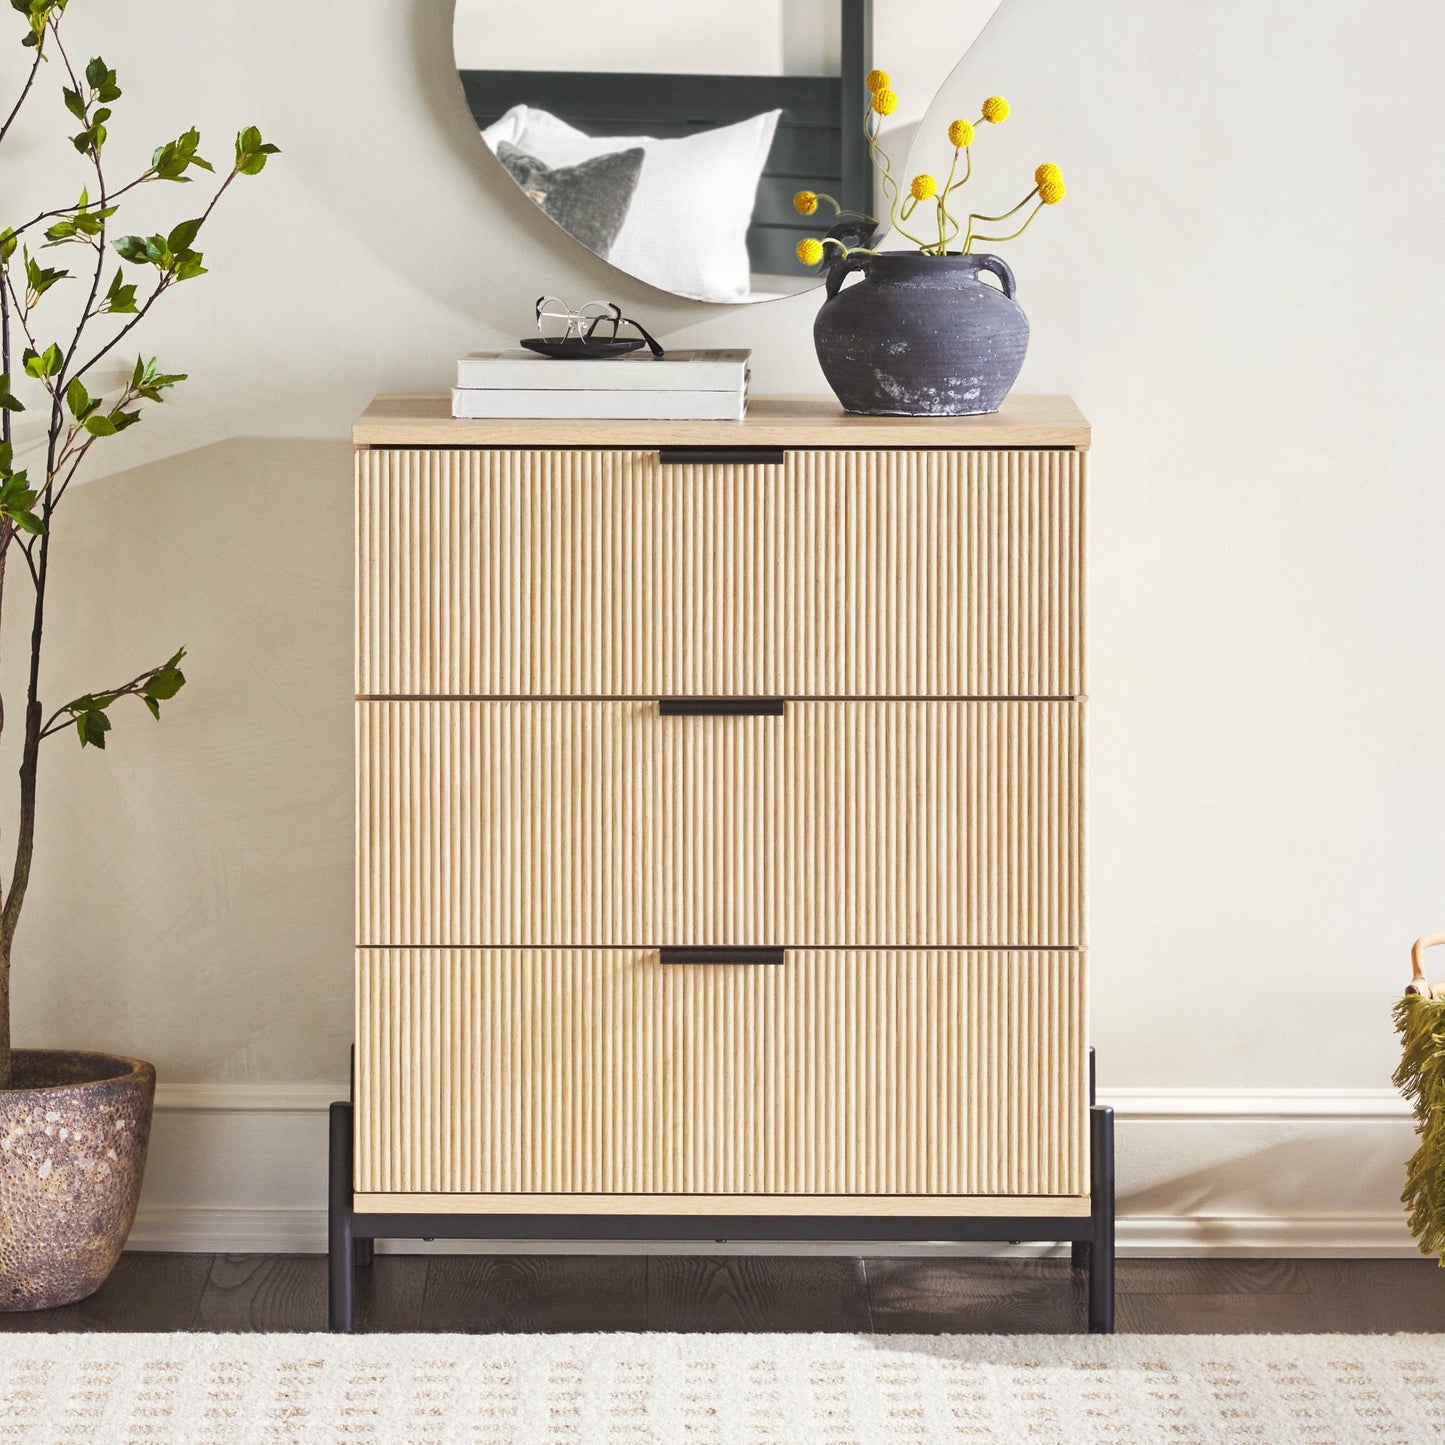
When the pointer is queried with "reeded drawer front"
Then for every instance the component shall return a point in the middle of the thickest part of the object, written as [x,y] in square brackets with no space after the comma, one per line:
[604,823]
[836,1072]
[605,573]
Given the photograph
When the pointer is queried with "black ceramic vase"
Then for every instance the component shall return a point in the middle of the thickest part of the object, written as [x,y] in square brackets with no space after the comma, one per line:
[921,335]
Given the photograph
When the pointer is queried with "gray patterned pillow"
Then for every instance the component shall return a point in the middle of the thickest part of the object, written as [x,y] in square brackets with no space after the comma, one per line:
[588,200]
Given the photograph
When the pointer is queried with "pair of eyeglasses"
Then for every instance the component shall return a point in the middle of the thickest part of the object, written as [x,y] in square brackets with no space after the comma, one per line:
[597,321]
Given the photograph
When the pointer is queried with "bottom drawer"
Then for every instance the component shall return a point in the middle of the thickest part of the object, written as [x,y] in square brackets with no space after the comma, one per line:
[606,1071]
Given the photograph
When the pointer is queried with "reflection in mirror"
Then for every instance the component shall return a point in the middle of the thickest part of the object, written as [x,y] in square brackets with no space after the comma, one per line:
[670,138]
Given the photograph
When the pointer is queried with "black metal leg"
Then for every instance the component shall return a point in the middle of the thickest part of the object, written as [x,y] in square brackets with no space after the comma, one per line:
[1101,1243]
[363,1251]
[342,1259]
[1079,1254]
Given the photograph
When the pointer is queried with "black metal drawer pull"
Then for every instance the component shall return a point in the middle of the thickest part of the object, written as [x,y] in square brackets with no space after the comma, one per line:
[722,955]
[720,706]
[721,456]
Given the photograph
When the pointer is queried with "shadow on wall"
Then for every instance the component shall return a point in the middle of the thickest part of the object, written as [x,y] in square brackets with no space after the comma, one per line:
[1313,1172]
[192,893]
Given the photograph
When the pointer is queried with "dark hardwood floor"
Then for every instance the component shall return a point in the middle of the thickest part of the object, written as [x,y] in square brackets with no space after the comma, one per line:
[760,1292]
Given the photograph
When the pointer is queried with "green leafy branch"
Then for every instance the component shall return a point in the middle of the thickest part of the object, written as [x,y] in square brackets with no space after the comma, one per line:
[17,497]
[172,255]
[48,362]
[89,714]
[38,14]
[94,417]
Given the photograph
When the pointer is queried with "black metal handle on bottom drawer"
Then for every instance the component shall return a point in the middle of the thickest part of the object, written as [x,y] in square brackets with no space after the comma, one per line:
[720,706]
[721,955]
[721,456]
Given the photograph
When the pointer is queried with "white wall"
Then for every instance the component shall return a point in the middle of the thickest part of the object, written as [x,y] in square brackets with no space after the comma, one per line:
[714,37]
[1242,291]
[741,37]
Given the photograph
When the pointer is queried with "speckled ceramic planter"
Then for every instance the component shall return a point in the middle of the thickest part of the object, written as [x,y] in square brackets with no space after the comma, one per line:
[921,335]
[73,1136]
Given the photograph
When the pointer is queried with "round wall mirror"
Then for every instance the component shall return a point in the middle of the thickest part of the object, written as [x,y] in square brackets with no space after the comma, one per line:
[671,138]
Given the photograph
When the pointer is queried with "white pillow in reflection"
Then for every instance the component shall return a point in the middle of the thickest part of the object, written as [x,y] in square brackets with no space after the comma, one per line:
[686,230]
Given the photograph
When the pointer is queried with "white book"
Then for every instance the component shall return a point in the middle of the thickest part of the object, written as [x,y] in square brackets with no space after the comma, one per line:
[481,403]
[637,370]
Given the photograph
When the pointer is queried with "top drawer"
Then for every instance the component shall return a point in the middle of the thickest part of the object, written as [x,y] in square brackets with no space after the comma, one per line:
[900,573]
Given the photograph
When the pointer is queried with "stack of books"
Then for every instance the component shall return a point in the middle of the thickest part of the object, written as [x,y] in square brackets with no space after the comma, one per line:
[681,386]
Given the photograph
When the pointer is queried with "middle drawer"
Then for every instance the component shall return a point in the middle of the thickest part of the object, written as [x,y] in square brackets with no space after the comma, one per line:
[592,824]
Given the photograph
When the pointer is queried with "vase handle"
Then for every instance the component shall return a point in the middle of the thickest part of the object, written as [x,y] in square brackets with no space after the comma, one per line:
[997,266]
[840,268]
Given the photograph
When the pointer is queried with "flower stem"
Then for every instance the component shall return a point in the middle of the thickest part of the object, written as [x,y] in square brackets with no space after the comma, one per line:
[943,216]
[974,218]
[1013,237]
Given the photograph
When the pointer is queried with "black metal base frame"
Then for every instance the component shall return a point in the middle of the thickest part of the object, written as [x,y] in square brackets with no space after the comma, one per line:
[1091,1236]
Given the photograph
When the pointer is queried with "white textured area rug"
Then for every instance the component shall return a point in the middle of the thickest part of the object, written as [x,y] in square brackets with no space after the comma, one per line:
[721,1389]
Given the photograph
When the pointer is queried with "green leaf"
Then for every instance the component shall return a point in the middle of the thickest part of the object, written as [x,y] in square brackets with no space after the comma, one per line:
[101,426]
[40,278]
[91,141]
[184,235]
[131,248]
[171,161]
[81,224]
[77,399]
[164,683]
[149,381]
[252,152]
[43,364]
[101,79]
[17,501]
[8,242]
[26,521]
[75,104]
[7,403]
[91,726]
[120,299]
[188,266]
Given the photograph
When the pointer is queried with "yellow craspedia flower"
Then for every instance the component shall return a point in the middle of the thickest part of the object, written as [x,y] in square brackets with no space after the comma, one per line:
[805,203]
[995,109]
[1046,173]
[961,133]
[1052,192]
[923,188]
[885,102]
[810,251]
[877,80]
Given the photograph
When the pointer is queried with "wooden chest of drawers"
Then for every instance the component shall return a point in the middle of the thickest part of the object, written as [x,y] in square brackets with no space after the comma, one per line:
[720,799]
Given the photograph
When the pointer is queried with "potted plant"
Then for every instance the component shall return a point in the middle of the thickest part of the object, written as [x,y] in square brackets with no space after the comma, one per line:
[74,1126]
[924,334]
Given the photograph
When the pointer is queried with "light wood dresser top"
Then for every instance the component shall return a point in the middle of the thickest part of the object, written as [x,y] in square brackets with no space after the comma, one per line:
[425,420]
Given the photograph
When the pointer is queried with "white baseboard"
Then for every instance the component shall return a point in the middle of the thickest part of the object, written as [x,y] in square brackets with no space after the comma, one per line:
[1227,1172]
